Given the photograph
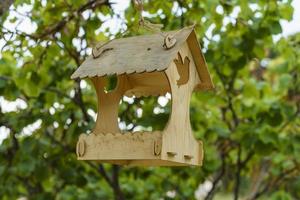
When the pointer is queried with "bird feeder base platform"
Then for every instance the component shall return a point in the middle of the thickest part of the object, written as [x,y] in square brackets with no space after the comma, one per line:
[134,149]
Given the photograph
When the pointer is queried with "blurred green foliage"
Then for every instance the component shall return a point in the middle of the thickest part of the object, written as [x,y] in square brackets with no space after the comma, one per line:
[249,124]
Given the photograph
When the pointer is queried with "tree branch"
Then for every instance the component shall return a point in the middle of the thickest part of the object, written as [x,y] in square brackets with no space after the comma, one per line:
[116,185]
[238,174]
[217,179]
[272,184]
[54,28]
[78,100]
[112,181]
[61,24]
[4,6]
[102,171]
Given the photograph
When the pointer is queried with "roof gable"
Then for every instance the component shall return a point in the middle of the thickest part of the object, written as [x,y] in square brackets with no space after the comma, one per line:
[143,54]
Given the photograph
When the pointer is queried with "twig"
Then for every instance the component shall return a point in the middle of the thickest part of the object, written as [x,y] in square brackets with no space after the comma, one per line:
[217,179]
[102,171]
[112,181]
[238,174]
[52,29]
[116,185]
[78,100]
[272,184]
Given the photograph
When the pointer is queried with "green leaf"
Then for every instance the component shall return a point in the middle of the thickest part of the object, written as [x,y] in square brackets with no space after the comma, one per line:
[275,27]
[2,83]
[286,12]
[281,195]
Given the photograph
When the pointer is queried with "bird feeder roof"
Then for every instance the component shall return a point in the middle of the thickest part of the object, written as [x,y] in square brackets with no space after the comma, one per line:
[144,53]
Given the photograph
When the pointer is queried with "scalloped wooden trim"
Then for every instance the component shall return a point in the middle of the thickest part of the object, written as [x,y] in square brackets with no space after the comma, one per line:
[121,146]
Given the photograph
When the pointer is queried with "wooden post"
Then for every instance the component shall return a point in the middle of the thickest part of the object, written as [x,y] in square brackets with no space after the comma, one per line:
[108,105]
[179,144]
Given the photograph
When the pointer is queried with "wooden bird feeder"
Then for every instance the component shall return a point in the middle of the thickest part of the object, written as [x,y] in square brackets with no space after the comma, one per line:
[149,65]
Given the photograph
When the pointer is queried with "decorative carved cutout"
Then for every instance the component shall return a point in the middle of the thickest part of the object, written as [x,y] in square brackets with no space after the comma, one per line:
[80,148]
[111,83]
[169,42]
[183,69]
[188,157]
[157,147]
[97,53]
[171,153]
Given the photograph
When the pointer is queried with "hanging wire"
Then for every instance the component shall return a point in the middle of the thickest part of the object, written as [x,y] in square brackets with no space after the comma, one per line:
[169,39]
[138,4]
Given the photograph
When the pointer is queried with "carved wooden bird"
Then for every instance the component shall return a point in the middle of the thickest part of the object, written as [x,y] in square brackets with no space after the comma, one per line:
[183,69]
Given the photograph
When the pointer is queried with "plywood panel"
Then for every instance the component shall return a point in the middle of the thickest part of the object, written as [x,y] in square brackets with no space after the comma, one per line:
[120,146]
[132,55]
[179,144]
